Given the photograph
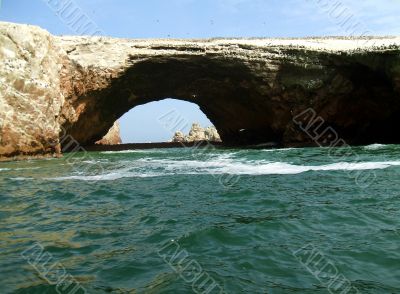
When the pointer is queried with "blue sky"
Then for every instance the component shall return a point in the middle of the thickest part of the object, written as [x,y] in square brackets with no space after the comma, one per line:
[208,18]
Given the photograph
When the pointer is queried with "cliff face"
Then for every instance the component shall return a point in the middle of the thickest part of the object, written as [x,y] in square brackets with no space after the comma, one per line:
[30,91]
[250,89]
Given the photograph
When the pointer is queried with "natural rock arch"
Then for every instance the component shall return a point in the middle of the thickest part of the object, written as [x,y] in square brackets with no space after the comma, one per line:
[356,95]
[225,90]
[251,89]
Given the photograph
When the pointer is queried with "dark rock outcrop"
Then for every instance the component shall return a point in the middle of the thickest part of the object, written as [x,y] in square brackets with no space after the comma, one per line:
[250,89]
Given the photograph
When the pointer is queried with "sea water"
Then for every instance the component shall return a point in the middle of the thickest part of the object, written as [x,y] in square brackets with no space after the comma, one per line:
[307,220]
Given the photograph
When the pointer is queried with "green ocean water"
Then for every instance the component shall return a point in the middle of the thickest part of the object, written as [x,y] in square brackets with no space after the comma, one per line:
[310,220]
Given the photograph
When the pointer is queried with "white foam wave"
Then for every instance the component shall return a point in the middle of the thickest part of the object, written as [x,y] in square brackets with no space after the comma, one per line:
[102,161]
[285,168]
[134,151]
[163,167]
[277,149]
[121,152]
[108,176]
[21,179]
[374,147]
[19,168]
[27,168]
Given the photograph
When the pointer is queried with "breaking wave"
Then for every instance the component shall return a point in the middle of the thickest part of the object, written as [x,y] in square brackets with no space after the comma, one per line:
[134,151]
[375,146]
[147,167]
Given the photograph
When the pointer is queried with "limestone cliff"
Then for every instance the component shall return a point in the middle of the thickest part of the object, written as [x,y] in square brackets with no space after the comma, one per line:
[197,133]
[113,137]
[251,89]
[30,93]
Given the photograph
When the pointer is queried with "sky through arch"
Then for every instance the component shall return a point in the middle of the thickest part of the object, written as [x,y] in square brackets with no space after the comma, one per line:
[151,122]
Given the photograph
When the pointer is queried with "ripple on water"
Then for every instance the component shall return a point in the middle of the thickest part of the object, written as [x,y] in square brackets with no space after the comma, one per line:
[106,228]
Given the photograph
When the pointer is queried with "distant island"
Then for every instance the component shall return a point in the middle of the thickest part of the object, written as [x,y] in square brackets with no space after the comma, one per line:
[196,134]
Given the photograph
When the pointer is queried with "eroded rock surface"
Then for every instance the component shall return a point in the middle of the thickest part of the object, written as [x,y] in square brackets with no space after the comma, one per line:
[251,89]
[30,93]
[113,137]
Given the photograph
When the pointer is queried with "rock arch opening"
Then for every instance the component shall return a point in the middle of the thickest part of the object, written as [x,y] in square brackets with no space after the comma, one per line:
[158,121]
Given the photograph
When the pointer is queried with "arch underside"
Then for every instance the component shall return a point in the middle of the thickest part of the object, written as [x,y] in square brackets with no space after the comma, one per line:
[249,104]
